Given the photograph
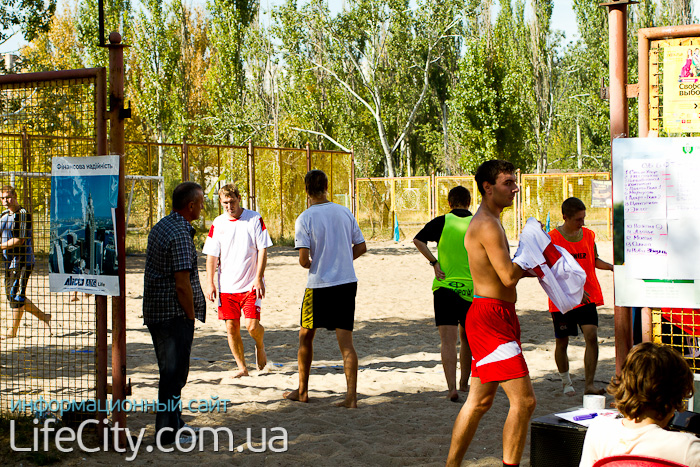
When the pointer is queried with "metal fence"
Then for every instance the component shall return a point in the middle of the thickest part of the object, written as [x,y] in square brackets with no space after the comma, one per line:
[43,116]
[413,201]
[270,181]
[679,328]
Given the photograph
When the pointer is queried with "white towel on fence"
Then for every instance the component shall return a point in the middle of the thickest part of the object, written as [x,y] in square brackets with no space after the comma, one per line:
[560,275]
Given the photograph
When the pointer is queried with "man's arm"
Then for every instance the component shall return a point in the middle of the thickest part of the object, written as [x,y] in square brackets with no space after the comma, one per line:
[11,243]
[359,250]
[23,225]
[493,240]
[212,262]
[600,264]
[304,258]
[183,289]
[259,283]
[425,251]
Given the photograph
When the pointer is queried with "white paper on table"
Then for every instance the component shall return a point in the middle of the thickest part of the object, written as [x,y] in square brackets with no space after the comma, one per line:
[645,188]
[569,416]
[646,248]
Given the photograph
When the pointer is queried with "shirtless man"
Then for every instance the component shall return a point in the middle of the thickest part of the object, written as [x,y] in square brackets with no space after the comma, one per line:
[493,327]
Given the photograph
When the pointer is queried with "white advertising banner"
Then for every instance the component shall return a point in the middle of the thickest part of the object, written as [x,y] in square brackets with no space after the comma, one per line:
[83,252]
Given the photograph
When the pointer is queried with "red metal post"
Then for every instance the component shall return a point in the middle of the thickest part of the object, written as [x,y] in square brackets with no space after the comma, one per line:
[116,140]
[619,128]
[101,300]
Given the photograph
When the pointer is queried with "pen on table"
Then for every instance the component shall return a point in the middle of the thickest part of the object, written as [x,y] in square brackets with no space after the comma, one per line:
[588,416]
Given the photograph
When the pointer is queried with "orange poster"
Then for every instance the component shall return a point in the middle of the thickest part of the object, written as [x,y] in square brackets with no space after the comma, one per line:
[681,81]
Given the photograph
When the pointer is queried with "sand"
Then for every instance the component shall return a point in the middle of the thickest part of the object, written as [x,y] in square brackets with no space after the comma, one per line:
[403,416]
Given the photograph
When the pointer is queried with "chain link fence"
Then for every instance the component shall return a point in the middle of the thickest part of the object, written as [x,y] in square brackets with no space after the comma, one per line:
[50,349]
[413,201]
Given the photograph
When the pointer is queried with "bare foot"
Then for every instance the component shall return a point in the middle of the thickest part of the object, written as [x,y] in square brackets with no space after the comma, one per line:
[8,336]
[595,391]
[241,373]
[347,403]
[294,396]
[261,357]
[463,387]
[74,298]
[453,395]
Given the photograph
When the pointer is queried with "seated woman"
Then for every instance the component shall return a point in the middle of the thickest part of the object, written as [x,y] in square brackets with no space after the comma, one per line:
[653,382]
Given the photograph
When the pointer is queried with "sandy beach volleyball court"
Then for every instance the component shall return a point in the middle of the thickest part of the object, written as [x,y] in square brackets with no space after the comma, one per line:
[403,416]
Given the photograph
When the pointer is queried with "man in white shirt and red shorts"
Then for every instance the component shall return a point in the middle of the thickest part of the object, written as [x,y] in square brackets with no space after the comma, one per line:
[236,250]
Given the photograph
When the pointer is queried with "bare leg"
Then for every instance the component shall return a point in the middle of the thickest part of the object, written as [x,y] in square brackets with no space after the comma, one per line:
[235,343]
[521,397]
[561,358]
[305,357]
[349,365]
[257,331]
[448,352]
[465,360]
[479,402]
[16,319]
[31,308]
[590,358]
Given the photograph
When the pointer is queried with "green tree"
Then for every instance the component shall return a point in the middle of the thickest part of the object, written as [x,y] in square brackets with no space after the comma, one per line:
[31,17]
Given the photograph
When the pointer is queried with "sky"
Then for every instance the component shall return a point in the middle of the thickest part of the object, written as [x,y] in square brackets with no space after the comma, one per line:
[563,18]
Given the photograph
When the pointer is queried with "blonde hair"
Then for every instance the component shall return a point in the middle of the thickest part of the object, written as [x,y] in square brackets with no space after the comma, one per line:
[230,190]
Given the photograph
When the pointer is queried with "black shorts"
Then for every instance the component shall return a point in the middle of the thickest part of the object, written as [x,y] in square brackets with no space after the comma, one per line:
[329,307]
[16,285]
[450,308]
[566,324]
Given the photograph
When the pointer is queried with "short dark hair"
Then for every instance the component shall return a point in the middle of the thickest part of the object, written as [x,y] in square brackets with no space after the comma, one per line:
[185,193]
[459,196]
[489,170]
[571,206]
[9,189]
[316,182]
[653,382]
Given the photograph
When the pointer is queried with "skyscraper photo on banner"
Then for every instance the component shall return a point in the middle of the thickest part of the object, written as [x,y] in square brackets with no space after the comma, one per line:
[83,254]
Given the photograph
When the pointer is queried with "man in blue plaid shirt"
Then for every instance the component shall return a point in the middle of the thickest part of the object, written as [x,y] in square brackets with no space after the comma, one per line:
[172,299]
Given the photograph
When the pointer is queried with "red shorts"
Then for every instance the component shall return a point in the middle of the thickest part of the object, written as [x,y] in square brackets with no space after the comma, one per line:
[232,304]
[493,331]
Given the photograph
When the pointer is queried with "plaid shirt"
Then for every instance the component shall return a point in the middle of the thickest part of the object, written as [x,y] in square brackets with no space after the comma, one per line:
[170,249]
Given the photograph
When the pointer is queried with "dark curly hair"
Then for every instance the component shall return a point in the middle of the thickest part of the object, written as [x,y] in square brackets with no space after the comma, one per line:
[653,382]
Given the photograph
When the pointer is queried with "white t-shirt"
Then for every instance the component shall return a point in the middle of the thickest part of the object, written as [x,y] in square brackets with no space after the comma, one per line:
[236,243]
[609,437]
[329,231]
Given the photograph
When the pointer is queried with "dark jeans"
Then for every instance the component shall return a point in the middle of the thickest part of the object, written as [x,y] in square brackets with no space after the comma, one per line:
[172,341]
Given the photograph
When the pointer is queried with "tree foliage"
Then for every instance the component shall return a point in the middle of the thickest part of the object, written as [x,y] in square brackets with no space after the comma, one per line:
[414,86]
[32,17]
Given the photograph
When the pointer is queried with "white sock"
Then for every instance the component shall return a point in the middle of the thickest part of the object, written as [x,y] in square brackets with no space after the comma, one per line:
[565,378]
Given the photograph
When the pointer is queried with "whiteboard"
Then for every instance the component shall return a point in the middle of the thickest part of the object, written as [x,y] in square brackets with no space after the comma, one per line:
[656,222]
